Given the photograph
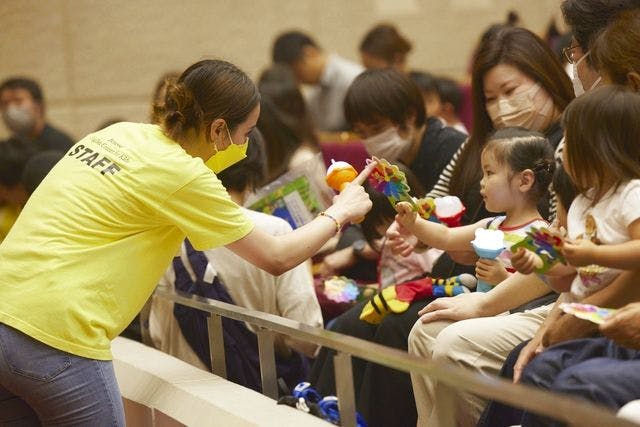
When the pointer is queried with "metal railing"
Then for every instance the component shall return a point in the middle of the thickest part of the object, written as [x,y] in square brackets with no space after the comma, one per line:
[562,407]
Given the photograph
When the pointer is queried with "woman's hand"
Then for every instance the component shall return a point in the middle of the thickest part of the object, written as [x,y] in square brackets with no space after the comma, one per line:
[491,271]
[460,307]
[525,261]
[400,240]
[581,252]
[353,202]
[529,351]
[623,326]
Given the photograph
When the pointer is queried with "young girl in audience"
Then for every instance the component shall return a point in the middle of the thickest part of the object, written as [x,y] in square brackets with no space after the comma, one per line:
[517,167]
[497,413]
[602,157]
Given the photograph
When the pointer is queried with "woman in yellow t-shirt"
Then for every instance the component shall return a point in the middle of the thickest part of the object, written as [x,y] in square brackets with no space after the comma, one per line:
[99,231]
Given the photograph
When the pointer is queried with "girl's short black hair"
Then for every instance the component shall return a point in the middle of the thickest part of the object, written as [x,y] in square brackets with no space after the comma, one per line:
[426,82]
[522,149]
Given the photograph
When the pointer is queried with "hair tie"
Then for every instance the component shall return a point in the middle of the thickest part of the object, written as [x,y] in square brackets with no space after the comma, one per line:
[542,166]
[176,116]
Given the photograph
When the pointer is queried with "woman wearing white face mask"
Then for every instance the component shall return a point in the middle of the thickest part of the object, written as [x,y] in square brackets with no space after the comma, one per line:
[576,58]
[387,110]
[517,81]
[508,66]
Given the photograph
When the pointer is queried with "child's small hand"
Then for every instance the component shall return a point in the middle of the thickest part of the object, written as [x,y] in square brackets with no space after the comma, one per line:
[580,252]
[525,261]
[557,228]
[399,240]
[406,215]
[491,271]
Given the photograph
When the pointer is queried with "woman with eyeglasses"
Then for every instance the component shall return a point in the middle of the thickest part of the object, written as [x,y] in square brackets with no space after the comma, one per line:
[601,369]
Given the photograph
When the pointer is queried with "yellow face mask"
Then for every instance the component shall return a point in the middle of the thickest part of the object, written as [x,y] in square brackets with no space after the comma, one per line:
[229,156]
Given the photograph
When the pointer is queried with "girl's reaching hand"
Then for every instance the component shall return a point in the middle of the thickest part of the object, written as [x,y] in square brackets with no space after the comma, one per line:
[406,215]
[579,253]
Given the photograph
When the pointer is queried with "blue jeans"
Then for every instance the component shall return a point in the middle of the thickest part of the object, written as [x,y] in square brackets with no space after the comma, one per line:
[39,384]
[595,369]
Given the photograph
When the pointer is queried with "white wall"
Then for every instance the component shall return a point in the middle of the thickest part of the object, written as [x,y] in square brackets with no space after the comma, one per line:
[97,59]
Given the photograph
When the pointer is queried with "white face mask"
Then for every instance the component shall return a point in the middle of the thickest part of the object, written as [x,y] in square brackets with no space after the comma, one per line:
[20,120]
[578,88]
[520,110]
[388,144]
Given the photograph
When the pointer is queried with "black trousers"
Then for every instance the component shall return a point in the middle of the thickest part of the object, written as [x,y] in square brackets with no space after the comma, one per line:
[384,396]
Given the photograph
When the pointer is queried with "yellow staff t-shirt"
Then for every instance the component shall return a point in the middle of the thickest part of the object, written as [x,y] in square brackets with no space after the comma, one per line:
[8,215]
[95,237]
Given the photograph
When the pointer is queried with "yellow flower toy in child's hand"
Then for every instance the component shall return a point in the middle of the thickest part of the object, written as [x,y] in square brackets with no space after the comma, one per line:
[389,180]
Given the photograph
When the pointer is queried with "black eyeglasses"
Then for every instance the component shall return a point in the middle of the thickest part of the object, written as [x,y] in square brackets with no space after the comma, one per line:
[568,53]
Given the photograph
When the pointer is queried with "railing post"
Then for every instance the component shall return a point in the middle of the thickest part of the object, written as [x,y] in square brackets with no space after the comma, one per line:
[565,408]
[267,355]
[344,389]
[216,345]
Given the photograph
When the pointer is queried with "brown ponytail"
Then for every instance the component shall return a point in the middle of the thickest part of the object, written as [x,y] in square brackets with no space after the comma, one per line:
[207,90]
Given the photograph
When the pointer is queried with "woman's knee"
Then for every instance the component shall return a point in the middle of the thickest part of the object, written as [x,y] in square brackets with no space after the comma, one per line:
[461,342]
[422,337]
